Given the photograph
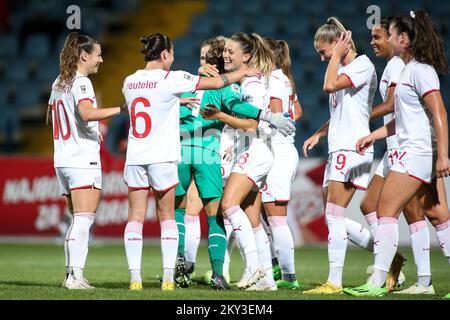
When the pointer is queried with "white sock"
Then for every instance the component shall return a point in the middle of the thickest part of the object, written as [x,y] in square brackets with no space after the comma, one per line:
[443,237]
[78,240]
[337,242]
[372,220]
[169,247]
[133,240]
[359,235]
[263,247]
[192,237]
[66,247]
[230,240]
[386,242]
[420,241]
[268,231]
[283,243]
[244,234]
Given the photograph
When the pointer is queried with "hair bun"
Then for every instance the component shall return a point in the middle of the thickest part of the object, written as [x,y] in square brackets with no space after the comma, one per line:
[144,40]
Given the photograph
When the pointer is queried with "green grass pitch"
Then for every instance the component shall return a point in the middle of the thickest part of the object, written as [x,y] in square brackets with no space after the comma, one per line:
[36,271]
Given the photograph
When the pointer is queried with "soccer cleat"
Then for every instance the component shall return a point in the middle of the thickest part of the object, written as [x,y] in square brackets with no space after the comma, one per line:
[263,284]
[415,289]
[283,284]
[136,286]
[251,276]
[219,283]
[326,288]
[276,270]
[401,276]
[168,286]
[366,290]
[181,276]
[394,272]
[206,277]
[77,284]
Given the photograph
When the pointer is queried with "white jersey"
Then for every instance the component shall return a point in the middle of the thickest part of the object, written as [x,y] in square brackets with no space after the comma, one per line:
[76,142]
[413,121]
[153,100]
[280,88]
[390,77]
[254,91]
[350,107]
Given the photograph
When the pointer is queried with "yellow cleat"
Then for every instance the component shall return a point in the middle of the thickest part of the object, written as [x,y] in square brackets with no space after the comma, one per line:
[136,286]
[168,286]
[394,272]
[326,288]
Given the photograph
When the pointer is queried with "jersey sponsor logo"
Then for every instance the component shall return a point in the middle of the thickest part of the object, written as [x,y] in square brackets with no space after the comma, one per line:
[93,163]
[83,89]
[188,77]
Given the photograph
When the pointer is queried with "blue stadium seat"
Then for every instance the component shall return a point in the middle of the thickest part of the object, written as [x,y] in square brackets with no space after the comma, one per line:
[8,46]
[250,8]
[282,8]
[47,72]
[27,95]
[17,70]
[37,46]
[220,7]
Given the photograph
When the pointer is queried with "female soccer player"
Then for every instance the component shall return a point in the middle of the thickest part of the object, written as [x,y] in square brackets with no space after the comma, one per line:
[254,159]
[76,137]
[152,95]
[421,128]
[351,81]
[277,190]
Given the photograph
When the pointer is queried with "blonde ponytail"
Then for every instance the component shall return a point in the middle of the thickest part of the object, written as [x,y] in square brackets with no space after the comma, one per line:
[330,31]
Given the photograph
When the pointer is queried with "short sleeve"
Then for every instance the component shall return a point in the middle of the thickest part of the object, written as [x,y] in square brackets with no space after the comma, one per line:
[254,93]
[359,72]
[275,89]
[181,81]
[396,66]
[83,90]
[425,80]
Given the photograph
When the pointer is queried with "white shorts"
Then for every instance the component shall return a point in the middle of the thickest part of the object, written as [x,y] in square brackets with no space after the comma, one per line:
[348,166]
[255,163]
[159,176]
[225,167]
[78,178]
[226,141]
[389,158]
[281,175]
[421,167]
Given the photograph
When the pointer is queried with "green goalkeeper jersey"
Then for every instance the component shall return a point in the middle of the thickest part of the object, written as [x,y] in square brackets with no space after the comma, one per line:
[199,132]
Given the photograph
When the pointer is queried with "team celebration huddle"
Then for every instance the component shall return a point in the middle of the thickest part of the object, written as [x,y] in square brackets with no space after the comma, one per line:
[222,141]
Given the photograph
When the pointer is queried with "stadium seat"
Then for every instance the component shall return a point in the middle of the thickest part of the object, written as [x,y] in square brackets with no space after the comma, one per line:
[37,46]
[8,46]
[17,71]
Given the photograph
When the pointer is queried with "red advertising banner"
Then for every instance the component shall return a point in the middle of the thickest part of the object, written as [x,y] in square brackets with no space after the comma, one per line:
[31,203]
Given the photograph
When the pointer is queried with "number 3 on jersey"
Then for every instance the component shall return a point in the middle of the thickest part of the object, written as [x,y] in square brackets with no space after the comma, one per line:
[57,128]
[145,116]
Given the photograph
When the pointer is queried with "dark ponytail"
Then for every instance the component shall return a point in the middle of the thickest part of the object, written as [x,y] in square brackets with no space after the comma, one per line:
[69,57]
[426,45]
[154,45]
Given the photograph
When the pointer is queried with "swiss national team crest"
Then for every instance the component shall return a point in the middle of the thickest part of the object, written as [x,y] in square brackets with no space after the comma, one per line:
[83,89]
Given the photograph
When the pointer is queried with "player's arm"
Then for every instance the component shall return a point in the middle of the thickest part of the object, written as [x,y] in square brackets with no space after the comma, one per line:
[210,112]
[434,103]
[218,82]
[298,111]
[48,117]
[381,133]
[89,113]
[333,81]
[386,107]
[314,139]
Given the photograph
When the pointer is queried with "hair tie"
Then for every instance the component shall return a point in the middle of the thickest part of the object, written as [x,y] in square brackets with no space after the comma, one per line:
[412,14]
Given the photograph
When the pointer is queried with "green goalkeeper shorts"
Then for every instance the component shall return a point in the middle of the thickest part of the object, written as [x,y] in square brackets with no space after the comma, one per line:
[204,166]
